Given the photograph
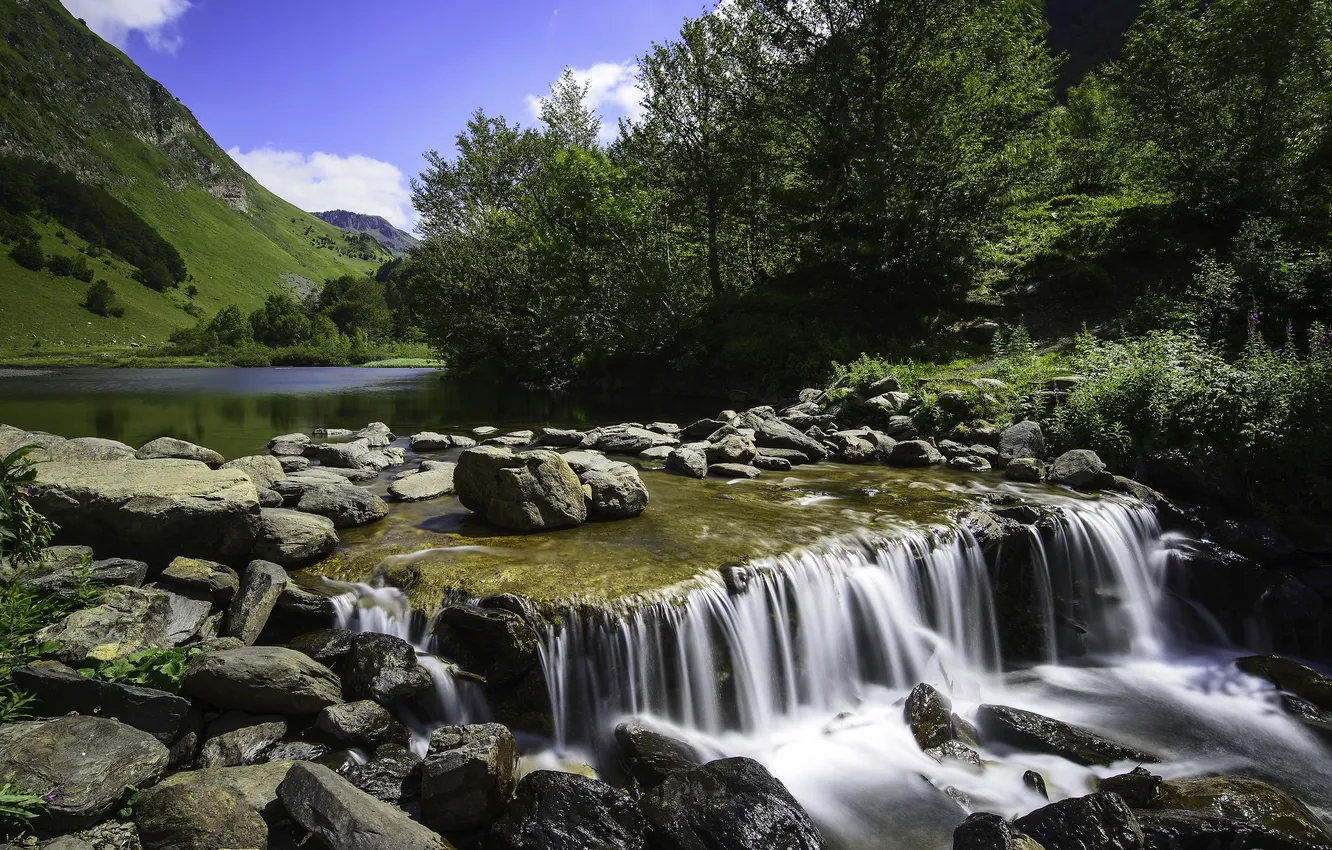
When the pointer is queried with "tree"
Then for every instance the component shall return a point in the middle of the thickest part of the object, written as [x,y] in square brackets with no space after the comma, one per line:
[81,270]
[155,275]
[102,300]
[28,254]
[569,122]
[280,322]
[60,265]
[356,305]
[228,329]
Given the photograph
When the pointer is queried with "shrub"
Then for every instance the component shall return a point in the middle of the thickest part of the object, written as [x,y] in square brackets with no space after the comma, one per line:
[60,265]
[102,300]
[29,255]
[24,533]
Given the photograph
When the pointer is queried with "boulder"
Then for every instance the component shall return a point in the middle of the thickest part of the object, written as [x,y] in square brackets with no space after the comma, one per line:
[583,461]
[364,723]
[188,613]
[495,643]
[1038,733]
[553,810]
[430,441]
[346,504]
[262,680]
[293,539]
[988,831]
[57,689]
[530,491]
[294,487]
[733,449]
[383,668]
[617,492]
[886,384]
[424,485]
[343,817]
[1244,801]
[625,439]
[285,451]
[352,455]
[260,587]
[468,777]
[656,454]
[1173,829]
[733,803]
[264,470]
[297,438]
[377,434]
[126,620]
[166,448]
[689,462]
[82,765]
[929,714]
[392,775]
[703,428]
[559,437]
[1028,470]
[1136,788]
[1025,439]
[327,646]
[772,464]
[237,738]
[733,471]
[150,510]
[1203,476]
[1081,469]
[1098,821]
[208,809]
[650,757]
[1292,677]
[970,463]
[775,434]
[914,453]
[87,448]
[791,456]
[64,569]
[853,446]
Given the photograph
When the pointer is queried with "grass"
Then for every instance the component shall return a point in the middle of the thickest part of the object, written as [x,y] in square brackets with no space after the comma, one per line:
[405,363]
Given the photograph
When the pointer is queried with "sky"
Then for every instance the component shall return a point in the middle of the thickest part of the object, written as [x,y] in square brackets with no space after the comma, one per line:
[331,103]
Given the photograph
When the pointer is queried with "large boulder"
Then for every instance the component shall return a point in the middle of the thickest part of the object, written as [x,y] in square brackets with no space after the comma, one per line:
[86,448]
[929,714]
[1025,439]
[426,484]
[57,689]
[237,738]
[81,765]
[393,775]
[468,777]
[126,620]
[1035,732]
[1100,821]
[383,668]
[687,461]
[264,470]
[528,491]
[1248,802]
[150,510]
[732,803]
[617,492]
[349,455]
[988,831]
[343,817]
[733,448]
[345,504]
[776,434]
[260,587]
[262,680]
[293,539]
[1081,469]
[166,448]
[208,809]
[650,757]
[553,810]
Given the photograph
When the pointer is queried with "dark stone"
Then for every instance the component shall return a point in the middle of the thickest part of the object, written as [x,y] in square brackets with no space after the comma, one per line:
[702,429]
[732,803]
[553,810]
[59,690]
[1023,440]
[262,680]
[929,714]
[915,453]
[197,816]
[383,668]
[1136,787]
[1035,782]
[298,751]
[775,434]
[343,817]
[1200,476]
[364,724]
[327,646]
[237,739]
[988,831]
[1304,682]
[1173,829]
[1037,733]
[393,775]
[1245,801]
[1096,822]
[650,757]
[492,642]
[469,776]
[260,587]
[1081,469]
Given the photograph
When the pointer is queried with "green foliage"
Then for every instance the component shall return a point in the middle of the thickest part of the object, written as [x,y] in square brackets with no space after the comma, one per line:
[24,533]
[280,322]
[102,300]
[357,306]
[28,254]
[151,667]
[18,808]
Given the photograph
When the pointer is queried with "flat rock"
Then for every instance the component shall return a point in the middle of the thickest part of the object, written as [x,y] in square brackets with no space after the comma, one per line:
[264,470]
[262,680]
[293,539]
[1038,733]
[65,567]
[559,437]
[346,818]
[430,441]
[164,448]
[126,620]
[59,690]
[345,504]
[424,485]
[733,471]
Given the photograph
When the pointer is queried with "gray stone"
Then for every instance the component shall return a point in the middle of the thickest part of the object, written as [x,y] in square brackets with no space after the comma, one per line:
[1080,469]
[88,448]
[732,448]
[293,539]
[733,471]
[430,441]
[383,668]
[164,448]
[427,484]
[262,680]
[377,435]
[217,580]
[584,460]
[393,775]
[915,453]
[306,603]
[264,470]
[559,437]
[295,463]
[1026,469]
[791,456]
[126,620]
[334,433]
[688,462]
[775,434]
[531,491]
[237,739]
[346,504]
[286,451]
[270,498]
[65,568]
[350,455]
[617,492]
[300,439]
[888,384]
[260,587]
[970,463]
[59,690]
[772,464]
[625,439]
[657,453]
[703,428]
[364,723]
[468,778]
[1025,439]
[853,447]
[188,612]
[343,817]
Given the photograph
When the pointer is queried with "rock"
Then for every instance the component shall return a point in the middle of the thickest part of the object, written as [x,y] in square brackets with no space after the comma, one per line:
[559,437]
[293,539]
[346,504]
[1172,829]
[284,451]
[82,765]
[732,449]
[294,463]
[1035,782]
[64,569]
[1250,802]
[87,448]
[1200,476]
[468,778]
[657,453]
[351,455]
[327,646]
[650,757]
[582,461]
[219,581]
[853,447]
[260,588]
[150,510]
[203,810]
[970,463]
[915,453]
[188,611]
[343,817]
[68,842]
[300,751]
[429,441]
[1080,469]
[264,470]
[688,462]
[306,603]
[625,439]
[363,723]
[1025,469]
[393,776]
[237,738]
[127,619]
[1290,676]
[1037,733]
[1096,822]
[498,644]
[772,464]
[775,434]
[703,428]
[165,448]
[1025,439]
[901,428]
[553,810]
[733,471]
[617,492]
[377,434]
[383,668]
[1136,788]
[424,485]
[791,456]
[59,690]
[485,431]
[988,831]
[955,751]
[733,803]
[811,395]
[531,491]
[295,486]
[889,403]
[262,680]
[1256,539]
[507,441]
[299,439]
[929,714]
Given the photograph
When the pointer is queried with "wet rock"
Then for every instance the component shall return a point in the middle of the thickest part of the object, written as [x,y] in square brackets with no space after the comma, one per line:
[260,587]
[237,738]
[1023,440]
[299,751]
[1180,830]
[363,723]
[915,453]
[1038,733]
[1025,469]
[559,437]
[166,448]
[305,603]
[733,803]
[964,731]
[929,715]
[327,646]
[1035,782]
[128,619]
[1290,676]
[468,778]
[531,491]
[625,439]
[498,644]
[954,751]
[733,471]
[775,434]
[1241,800]
[382,668]
[650,757]
[424,485]
[1096,822]
[293,539]
[688,462]
[429,441]
[346,818]
[485,431]
[262,680]
[393,775]
[772,464]
[59,690]
[346,505]
[81,764]
[1081,469]
[264,470]
[970,463]
[617,492]
[1255,539]
[1136,787]
[553,810]
[987,831]
[219,581]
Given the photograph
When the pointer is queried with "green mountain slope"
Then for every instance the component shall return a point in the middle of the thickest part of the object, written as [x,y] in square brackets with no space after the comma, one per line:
[68,97]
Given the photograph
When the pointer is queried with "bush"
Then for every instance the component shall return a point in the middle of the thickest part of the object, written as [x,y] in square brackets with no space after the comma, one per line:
[29,255]
[102,300]
[60,265]
[24,533]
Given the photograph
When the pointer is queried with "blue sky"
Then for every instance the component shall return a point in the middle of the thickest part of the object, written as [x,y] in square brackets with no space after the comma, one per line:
[330,103]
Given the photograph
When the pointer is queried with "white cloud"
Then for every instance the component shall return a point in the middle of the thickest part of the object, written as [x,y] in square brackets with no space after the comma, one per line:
[325,181]
[114,20]
[612,93]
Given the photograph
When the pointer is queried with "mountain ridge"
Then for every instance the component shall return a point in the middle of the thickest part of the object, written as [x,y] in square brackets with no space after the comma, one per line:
[396,240]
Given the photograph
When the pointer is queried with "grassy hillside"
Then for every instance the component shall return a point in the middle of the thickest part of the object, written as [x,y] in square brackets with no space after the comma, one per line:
[70,98]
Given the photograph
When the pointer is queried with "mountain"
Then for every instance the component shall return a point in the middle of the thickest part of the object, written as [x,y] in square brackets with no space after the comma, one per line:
[70,99]
[397,241]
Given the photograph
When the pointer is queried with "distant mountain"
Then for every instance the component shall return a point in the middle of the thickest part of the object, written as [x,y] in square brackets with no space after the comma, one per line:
[71,99]
[1089,31]
[397,241]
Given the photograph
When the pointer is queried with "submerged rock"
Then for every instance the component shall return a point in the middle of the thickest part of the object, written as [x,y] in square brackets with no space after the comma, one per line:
[553,810]
[1038,733]
[343,817]
[1099,821]
[529,491]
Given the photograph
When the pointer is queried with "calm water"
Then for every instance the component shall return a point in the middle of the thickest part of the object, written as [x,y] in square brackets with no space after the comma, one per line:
[236,411]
